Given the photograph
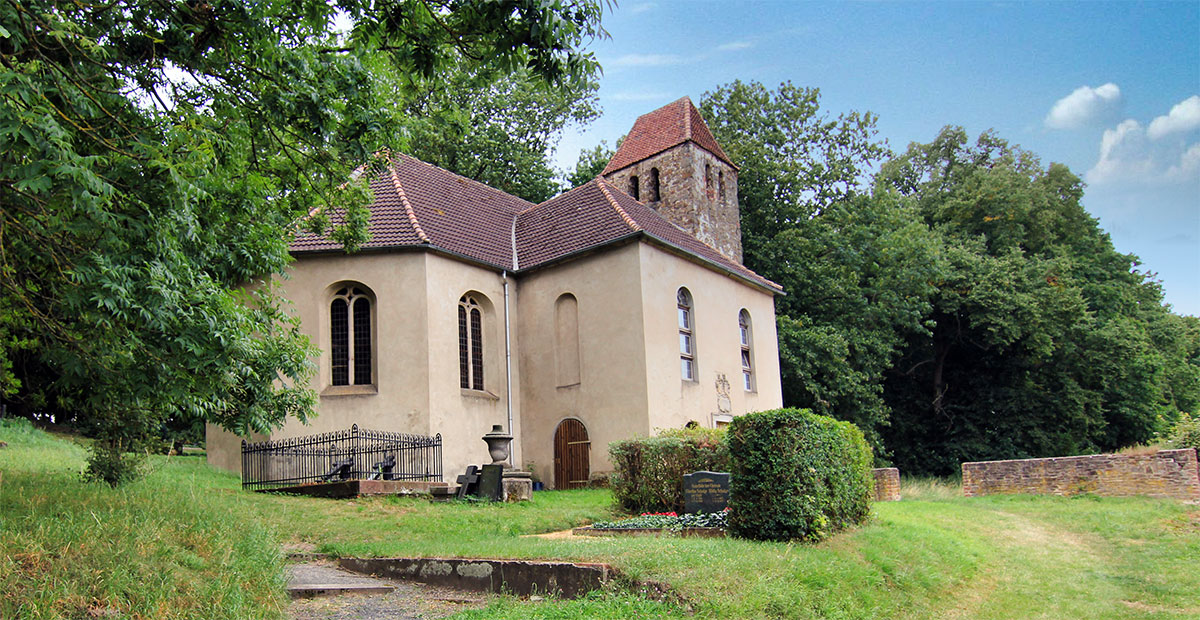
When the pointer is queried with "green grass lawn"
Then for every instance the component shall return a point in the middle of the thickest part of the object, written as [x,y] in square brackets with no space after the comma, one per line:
[186,542]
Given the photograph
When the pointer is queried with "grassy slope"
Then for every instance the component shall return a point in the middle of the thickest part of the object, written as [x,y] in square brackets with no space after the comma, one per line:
[933,555]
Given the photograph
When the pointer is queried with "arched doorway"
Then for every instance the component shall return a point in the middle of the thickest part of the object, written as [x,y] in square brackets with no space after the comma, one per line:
[572,455]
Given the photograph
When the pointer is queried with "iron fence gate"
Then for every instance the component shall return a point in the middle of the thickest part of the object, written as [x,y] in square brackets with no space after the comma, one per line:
[355,454]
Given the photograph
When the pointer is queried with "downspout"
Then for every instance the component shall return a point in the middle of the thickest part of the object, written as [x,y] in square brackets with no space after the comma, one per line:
[508,367]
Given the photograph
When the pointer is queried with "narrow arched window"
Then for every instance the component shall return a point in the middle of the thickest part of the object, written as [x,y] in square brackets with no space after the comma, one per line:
[470,343]
[350,336]
[633,187]
[721,184]
[746,337]
[687,336]
[708,181]
[654,190]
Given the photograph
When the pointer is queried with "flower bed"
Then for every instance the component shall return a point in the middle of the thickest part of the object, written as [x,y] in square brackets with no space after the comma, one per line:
[667,521]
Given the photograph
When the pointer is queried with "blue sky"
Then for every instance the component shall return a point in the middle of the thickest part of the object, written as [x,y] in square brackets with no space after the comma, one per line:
[1110,89]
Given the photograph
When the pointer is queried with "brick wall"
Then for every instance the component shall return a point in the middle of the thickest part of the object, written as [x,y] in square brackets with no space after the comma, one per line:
[1168,473]
[887,484]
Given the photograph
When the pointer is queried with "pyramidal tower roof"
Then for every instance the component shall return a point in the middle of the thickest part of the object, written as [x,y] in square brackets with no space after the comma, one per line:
[669,126]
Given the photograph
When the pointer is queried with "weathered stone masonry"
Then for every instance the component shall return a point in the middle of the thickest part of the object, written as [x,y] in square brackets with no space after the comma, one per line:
[1167,473]
[887,484]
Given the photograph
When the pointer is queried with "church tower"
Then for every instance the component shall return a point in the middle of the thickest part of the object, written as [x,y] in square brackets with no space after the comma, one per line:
[671,162]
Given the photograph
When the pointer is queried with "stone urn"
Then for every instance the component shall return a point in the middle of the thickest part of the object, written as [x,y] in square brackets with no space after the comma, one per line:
[498,443]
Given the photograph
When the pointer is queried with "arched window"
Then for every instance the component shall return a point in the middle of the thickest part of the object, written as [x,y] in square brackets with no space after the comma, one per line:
[708,184]
[350,336]
[721,184]
[687,338]
[470,343]
[746,337]
[654,192]
[633,187]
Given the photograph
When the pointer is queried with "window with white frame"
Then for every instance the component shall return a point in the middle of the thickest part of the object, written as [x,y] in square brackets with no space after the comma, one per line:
[470,343]
[746,337]
[687,336]
[350,336]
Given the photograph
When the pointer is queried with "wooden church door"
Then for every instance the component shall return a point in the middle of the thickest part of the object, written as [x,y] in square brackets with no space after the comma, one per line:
[572,454]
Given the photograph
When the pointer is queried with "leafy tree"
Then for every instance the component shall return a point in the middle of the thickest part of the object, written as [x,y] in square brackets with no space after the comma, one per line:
[1043,340]
[591,163]
[495,128]
[156,157]
[856,268]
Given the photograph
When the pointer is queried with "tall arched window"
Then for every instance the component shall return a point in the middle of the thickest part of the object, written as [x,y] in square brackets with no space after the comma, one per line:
[470,343]
[746,337]
[350,336]
[633,187]
[654,191]
[687,338]
[708,180]
[721,184]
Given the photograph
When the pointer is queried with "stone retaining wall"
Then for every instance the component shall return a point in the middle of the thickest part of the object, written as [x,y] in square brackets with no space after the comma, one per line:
[1167,473]
[887,484]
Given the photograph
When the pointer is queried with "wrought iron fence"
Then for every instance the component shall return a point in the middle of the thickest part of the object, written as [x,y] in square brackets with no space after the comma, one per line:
[355,454]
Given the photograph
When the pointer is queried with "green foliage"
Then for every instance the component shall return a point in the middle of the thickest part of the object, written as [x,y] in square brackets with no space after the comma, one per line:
[797,476]
[496,129]
[155,158]
[591,163]
[111,463]
[648,472]
[857,268]
[1185,433]
[1042,340]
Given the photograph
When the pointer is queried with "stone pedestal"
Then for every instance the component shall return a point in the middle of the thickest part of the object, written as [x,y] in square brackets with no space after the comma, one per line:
[518,486]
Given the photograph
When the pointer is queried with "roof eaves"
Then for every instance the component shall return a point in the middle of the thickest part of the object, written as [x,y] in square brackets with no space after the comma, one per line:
[771,287]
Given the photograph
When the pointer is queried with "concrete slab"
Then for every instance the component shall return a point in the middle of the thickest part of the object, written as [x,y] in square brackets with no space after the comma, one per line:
[313,579]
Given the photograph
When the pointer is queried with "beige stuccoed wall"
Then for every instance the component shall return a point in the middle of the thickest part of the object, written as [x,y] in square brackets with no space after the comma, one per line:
[610,398]
[463,416]
[717,299]
[399,399]
[415,353]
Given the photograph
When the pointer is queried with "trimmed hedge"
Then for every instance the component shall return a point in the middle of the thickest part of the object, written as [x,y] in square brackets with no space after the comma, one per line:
[649,471]
[796,475]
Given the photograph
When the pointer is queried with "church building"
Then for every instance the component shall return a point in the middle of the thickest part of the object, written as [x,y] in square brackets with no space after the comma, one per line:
[605,313]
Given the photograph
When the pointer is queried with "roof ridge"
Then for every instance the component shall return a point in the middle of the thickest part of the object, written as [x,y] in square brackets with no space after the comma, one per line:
[603,185]
[408,209]
[688,106]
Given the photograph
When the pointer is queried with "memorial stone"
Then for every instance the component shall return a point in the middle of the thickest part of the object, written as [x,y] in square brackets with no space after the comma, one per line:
[491,483]
[468,483]
[705,491]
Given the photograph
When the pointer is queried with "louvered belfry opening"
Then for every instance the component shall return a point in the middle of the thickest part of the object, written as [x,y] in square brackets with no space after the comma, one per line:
[572,455]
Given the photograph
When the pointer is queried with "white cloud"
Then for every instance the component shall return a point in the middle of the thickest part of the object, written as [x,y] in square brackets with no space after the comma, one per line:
[646,60]
[638,9]
[1185,116]
[733,46]
[1085,106]
[1129,155]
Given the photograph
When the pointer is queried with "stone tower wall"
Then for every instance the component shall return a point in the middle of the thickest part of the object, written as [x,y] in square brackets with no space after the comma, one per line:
[683,197]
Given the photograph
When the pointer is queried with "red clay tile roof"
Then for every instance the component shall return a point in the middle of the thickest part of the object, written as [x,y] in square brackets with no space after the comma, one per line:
[657,131]
[419,205]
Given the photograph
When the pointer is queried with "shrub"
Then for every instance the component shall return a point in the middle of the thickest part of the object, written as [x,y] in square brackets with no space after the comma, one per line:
[110,463]
[1186,432]
[796,475]
[649,471]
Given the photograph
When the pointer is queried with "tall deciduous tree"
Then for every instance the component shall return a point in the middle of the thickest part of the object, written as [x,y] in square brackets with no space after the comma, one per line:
[1043,339]
[154,157]
[856,268]
[493,127]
